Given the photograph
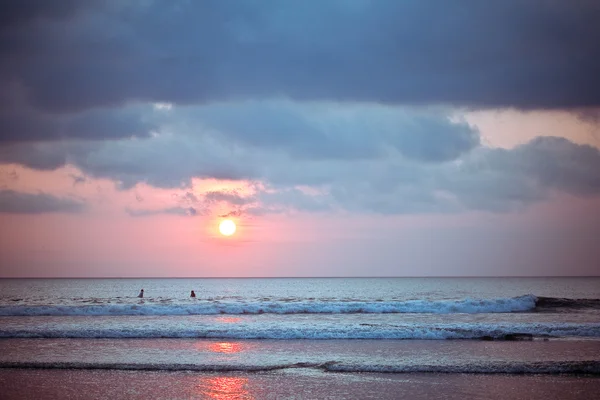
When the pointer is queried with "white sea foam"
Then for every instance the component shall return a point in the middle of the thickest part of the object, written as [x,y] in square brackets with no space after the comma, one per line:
[469,306]
[494,367]
[438,331]
[489,367]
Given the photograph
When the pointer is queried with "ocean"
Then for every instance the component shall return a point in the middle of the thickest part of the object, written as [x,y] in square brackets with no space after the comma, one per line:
[300,338]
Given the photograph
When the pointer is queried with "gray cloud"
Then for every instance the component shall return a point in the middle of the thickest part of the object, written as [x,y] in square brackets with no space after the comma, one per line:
[15,12]
[589,115]
[231,141]
[323,130]
[501,180]
[189,197]
[181,211]
[27,203]
[78,179]
[45,155]
[554,163]
[277,200]
[512,53]
[496,180]
[232,198]
[486,179]
[167,161]
[369,159]
[30,125]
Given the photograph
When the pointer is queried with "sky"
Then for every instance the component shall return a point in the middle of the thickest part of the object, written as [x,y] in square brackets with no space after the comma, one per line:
[343,137]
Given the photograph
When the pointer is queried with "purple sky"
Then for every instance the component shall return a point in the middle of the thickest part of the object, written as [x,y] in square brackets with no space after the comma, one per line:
[344,138]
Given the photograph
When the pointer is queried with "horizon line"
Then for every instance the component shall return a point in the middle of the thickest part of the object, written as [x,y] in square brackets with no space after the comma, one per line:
[302,277]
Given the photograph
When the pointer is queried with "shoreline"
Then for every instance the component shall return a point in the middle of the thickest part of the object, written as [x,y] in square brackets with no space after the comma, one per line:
[299,383]
[552,357]
[581,368]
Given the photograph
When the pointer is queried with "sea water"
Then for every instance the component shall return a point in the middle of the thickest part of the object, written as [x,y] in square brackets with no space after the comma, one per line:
[336,308]
[344,326]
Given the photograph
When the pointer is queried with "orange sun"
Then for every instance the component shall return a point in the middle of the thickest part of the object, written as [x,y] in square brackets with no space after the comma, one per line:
[227,227]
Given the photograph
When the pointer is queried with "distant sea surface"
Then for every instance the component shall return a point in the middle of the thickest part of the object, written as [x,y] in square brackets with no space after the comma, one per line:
[526,326]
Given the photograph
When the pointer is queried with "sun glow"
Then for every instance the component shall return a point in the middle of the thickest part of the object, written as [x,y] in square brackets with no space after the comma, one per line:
[227,227]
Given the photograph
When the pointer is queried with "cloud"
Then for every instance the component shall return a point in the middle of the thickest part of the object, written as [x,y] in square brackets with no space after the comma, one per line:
[589,115]
[501,180]
[232,198]
[23,11]
[486,179]
[28,203]
[30,125]
[269,200]
[181,211]
[278,200]
[78,179]
[327,130]
[257,140]
[358,158]
[46,155]
[189,197]
[524,54]
[555,163]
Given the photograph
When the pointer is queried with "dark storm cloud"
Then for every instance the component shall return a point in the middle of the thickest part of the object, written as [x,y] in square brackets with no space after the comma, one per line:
[15,12]
[29,125]
[510,53]
[27,203]
[45,155]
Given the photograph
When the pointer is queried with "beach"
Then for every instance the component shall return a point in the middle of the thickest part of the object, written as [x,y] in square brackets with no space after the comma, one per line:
[306,369]
[301,338]
[334,199]
[296,384]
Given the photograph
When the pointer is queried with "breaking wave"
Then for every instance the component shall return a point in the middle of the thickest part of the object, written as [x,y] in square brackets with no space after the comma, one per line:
[204,307]
[430,331]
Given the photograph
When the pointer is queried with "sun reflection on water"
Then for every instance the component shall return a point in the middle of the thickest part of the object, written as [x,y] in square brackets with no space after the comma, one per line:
[229,320]
[226,347]
[225,388]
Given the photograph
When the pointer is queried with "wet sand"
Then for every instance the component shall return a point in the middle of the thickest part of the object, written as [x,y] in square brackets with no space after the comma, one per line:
[209,355]
[297,369]
[288,384]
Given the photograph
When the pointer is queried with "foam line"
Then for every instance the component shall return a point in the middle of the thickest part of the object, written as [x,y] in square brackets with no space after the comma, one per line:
[468,306]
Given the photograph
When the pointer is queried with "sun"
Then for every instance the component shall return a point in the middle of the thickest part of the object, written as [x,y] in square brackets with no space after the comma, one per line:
[227,227]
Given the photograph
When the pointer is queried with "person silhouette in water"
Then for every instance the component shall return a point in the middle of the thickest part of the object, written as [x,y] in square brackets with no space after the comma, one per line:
[141,293]
[192,294]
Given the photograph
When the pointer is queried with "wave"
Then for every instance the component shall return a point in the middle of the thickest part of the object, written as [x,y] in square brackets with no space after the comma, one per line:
[489,367]
[509,367]
[554,304]
[469,306]
[437,331]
